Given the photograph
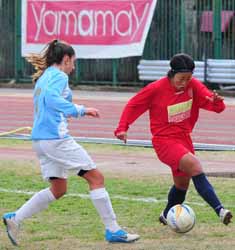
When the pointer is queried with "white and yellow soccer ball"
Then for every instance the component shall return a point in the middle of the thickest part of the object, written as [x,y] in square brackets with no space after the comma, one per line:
[181,218]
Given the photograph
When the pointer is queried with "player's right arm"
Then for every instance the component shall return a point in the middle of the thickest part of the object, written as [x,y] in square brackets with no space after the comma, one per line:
[135,107]
[122,135]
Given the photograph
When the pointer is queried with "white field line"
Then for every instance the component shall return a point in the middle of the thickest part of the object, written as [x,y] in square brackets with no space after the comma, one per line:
[118,197]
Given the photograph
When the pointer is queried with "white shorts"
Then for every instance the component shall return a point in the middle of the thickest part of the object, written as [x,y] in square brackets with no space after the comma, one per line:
[57,157]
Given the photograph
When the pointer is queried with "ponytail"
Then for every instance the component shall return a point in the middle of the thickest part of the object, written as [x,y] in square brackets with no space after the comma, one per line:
[53,53]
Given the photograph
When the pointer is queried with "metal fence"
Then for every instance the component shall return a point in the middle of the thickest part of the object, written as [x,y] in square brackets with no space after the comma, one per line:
[7,39]
[202,28]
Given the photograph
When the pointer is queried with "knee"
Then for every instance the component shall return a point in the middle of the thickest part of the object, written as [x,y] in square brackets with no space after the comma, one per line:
[196,170]
[182,186]
[58,187]
[59,193]
[98,180]
[181,183]
[191,165]
[95,179]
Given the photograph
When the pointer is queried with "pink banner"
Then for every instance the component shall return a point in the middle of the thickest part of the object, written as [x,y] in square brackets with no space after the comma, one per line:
[88,23]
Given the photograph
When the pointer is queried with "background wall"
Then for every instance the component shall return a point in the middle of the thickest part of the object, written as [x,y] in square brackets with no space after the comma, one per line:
[176,27]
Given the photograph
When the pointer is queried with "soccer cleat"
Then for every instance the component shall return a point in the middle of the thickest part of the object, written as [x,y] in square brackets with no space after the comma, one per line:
[162,219]
[12,227]
[120,236]
[225,216]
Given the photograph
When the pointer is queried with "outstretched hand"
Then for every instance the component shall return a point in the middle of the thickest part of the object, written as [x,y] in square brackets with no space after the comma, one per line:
[92,112]
[215,97]
[122,136]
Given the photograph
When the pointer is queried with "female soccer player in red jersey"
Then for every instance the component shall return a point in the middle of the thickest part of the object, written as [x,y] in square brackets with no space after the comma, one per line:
[173,103]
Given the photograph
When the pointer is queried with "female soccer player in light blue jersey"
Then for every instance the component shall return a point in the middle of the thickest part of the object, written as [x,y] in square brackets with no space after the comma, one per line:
[56,149]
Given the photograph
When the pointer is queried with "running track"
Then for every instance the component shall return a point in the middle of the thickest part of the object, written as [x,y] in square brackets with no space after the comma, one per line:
[16,111]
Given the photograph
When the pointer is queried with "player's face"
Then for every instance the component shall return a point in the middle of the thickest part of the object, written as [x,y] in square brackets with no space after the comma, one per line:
[181,80]
[68,64]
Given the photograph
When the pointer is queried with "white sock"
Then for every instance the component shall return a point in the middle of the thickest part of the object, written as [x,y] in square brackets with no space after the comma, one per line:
[37,203]
[102,203]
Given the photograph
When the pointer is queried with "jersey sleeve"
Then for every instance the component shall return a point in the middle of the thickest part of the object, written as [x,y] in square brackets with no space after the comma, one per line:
[55,100]
[202,92]
[135,107]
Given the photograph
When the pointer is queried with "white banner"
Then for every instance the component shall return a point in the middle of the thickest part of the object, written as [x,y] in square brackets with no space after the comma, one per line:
[95,28]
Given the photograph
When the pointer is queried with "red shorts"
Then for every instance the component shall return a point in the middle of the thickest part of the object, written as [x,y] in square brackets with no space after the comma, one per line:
[171,150]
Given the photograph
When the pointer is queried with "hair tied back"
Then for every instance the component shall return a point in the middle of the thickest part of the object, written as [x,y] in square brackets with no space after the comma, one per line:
[56,41]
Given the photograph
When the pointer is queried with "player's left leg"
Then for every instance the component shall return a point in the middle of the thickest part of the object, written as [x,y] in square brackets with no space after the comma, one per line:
[192,166]
[35,204]
[103,205]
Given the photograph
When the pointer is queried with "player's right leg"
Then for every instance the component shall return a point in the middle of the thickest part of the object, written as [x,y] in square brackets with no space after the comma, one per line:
[170,153]
[37,203]
[12,227]
[101,200]
[176,195]
[41,200]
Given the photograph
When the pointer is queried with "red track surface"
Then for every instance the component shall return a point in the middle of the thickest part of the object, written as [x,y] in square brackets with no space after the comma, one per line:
[212,128]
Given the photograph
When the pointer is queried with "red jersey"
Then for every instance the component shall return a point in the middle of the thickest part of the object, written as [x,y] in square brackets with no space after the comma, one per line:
[171,112]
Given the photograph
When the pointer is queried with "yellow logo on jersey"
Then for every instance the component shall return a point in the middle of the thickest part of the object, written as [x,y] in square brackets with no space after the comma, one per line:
[180,111]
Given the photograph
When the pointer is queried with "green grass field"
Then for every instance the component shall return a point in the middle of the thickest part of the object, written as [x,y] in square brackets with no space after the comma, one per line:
[72,222]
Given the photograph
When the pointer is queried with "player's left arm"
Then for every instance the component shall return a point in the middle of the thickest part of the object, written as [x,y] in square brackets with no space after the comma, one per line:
[55,100]
[209,100]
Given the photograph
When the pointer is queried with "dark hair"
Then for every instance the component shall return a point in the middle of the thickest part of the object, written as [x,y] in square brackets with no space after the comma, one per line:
[52,53]
[180,63]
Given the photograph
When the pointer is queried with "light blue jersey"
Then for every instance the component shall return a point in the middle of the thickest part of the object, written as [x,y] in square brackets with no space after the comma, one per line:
[53,105]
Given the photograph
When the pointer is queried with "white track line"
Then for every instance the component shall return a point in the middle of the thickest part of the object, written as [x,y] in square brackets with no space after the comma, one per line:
[118,197]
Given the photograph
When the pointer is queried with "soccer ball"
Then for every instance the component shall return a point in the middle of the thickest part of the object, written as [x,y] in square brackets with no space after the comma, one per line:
[181,218]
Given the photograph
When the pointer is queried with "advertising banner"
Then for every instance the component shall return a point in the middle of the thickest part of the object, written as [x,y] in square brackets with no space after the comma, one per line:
[95,28]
